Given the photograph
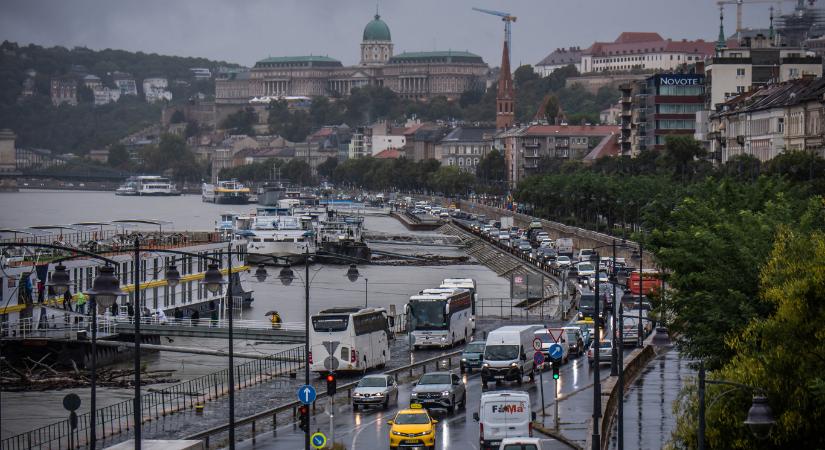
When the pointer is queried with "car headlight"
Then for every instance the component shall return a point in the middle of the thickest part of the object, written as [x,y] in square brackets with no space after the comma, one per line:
[397,433]
[443,338]
[445,393]
[485,365]
[463,359]
[513,364]
[380,394]
[414,394]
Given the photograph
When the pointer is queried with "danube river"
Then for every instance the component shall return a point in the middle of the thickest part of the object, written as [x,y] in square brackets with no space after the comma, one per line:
[388,286]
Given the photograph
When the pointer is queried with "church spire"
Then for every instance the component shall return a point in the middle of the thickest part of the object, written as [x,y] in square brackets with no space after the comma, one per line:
[505,97]
[720,43]
[771,34]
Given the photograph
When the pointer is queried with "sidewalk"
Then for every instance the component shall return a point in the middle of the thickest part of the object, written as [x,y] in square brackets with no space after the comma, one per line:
[648,405]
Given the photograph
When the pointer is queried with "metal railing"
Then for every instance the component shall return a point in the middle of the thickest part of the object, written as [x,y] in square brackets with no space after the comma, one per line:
[66,327]
[214,434]
[114,419]
[207,322]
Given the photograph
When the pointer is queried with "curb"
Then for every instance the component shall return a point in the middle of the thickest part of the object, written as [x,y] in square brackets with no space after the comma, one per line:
[556,435]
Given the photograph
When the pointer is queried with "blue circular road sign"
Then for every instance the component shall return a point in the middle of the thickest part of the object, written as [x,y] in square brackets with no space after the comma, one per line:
[318,440]
[538,358]
[306,394]
[556,351]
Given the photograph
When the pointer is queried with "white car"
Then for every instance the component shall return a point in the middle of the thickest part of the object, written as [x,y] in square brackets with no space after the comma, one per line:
[586,269]
[561,262]
[584,254]
[375,390]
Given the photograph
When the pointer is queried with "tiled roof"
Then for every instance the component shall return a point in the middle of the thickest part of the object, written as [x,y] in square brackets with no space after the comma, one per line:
[629,37]
[609,146]
[629,43]
[562,56]
[468,134]
[390,153]
[571,130]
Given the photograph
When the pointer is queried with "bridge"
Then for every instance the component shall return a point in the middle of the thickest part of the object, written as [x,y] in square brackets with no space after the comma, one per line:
[77,327]
[285,333]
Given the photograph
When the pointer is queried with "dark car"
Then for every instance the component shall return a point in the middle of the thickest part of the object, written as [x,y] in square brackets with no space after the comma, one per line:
[472,356]
[439,390]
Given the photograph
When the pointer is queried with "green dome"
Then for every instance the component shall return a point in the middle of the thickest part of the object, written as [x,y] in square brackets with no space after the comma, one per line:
[377,30]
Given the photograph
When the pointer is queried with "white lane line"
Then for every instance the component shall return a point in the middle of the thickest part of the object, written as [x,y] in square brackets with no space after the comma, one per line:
[361,428]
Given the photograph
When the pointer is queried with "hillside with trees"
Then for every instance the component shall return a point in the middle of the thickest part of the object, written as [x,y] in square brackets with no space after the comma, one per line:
[64,129]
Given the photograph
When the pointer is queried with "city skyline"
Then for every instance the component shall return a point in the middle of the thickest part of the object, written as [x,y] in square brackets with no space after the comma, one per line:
[196,29]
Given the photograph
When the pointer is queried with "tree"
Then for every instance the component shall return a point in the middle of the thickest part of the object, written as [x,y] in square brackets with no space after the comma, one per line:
[327,168]
[491,170]
[523,75]
[782,354]
[680,152]
[177,117]
[449,180]
[240,122]
[118,156]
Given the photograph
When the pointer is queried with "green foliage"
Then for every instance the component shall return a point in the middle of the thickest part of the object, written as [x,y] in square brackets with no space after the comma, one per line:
[295,170]
[293,126]
[76,129]
[782,354]
[118,156]
[379,174]
[327,168]
[177,117]
[491,171]
[680,153]
[171,156]
[241,122]
[449,180]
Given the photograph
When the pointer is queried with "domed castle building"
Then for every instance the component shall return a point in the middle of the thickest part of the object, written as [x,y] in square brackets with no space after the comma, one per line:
[415,75]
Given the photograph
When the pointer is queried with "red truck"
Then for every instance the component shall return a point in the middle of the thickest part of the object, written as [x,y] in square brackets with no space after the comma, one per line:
[650,282]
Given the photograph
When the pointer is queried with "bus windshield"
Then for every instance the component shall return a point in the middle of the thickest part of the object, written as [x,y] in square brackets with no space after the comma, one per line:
[429,315]
[330,323]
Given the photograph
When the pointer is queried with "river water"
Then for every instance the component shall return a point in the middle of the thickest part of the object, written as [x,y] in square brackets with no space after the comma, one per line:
[387,286]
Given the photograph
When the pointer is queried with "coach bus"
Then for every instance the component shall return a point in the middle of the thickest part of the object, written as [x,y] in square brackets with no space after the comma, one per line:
[349,340]
[440,317]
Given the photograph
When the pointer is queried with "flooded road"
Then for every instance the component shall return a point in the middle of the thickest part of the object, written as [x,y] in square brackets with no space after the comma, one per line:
[388,286]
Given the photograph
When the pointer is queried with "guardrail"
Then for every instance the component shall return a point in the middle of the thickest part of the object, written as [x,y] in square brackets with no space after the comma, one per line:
[67,327]
[114,419]
[212,433]
[206,322]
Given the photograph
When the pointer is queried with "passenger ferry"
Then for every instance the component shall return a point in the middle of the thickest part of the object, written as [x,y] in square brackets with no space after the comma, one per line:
[152,185]
[228,192]
[189,295]
[129,187]
[276,232]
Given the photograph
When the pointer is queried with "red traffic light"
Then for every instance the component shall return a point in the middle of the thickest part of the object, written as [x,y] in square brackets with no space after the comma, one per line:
[330,378]
[303,409]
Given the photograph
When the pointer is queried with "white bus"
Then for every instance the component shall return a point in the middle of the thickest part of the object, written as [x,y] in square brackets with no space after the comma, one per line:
[359,338]
[440,317]
[463,283]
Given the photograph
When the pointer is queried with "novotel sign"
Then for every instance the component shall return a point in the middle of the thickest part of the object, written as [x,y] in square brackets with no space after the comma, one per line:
[671,80]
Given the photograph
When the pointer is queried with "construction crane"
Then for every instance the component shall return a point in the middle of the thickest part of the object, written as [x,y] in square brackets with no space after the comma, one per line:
[739,4]
[507,18]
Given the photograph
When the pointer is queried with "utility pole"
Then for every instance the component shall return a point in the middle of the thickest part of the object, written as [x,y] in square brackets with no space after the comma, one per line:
[306,336]
[138,413]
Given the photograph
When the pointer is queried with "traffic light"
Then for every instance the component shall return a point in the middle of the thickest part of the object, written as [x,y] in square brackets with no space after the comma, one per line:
[332,384]
[303,418]
[555,370]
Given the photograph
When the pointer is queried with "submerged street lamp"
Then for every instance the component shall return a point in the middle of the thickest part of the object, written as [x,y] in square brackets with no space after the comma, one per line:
[60,280]
[286,275]
[261,273]
[352,273]
[105,290]
[172,276]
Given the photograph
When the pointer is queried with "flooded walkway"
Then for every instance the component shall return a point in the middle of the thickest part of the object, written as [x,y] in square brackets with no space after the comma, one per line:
[648,406]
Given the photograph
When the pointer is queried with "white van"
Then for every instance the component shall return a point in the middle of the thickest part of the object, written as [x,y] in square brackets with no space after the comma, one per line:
[530,443]
[505,355]
[501,415]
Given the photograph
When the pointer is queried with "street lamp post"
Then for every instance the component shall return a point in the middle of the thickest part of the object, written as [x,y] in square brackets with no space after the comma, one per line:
[138,312]
[614,370]
[597,394]
[760,418]
[640,339]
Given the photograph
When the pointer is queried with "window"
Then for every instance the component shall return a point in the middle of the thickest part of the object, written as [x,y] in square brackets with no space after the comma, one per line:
[793,72]
[740,72]
[740,89]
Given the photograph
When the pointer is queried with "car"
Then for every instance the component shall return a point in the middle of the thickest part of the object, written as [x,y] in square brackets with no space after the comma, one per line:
[439,390]
[472,356]
[502,415]
[375,390]
[585,269]
[412,427]
[584,254]
[561,262]
[605,353]
[575,340]
[529,443]
[586,327]
[525,247]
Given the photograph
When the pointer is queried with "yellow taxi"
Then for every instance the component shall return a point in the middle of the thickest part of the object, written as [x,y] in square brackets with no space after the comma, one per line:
[412,428]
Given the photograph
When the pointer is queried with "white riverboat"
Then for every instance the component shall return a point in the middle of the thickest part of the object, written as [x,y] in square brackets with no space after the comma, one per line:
[227,192]
[283,237]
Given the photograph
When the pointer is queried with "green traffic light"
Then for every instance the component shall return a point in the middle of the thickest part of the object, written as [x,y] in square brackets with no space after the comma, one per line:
[555,376]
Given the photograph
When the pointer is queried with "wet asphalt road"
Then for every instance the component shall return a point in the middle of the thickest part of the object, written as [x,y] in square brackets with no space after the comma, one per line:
[368,429]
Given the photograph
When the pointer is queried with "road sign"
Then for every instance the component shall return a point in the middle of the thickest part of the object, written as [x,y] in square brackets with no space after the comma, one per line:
[556,351]
[318,440]
[536,344]
[331,363]
[306,394]
[556,334]
[538,358]
[71,402]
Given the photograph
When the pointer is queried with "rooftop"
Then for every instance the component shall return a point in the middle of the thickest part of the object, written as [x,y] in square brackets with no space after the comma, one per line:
[437,56]
[310,60]
[468,134]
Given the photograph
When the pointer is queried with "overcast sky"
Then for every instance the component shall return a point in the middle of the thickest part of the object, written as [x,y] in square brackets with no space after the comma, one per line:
[244,31]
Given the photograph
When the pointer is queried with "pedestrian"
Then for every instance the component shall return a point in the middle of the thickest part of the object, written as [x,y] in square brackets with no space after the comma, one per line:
[81,303]
[41,291]
[275,320]
[67,300]
[178,314]
[114,309]
[130,310]
[195,317]
[161,317]
[28,288]
[213,313]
